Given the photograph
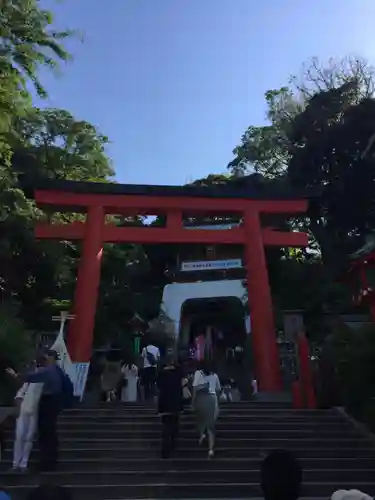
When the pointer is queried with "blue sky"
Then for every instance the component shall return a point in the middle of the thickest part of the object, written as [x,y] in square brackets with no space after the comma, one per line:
[174,83]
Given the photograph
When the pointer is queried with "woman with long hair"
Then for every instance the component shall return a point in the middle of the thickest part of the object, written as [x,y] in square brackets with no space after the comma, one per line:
[206,391]
[129,387]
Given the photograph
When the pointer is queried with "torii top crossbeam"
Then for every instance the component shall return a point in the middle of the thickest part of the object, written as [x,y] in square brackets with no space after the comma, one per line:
[172,201]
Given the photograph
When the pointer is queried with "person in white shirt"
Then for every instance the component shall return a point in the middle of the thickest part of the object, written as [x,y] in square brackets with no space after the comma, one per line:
[129,390]
[151,358]
[28,400]
[206,391]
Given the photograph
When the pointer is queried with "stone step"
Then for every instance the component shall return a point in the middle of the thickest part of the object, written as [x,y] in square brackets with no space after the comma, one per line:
[190,489]
[139,406]
[76,434]
[117,413]
[222,422]
[94,463]
[154,443]
[105,477]
[107,451]
[187,417]
[128,429]
[112,453]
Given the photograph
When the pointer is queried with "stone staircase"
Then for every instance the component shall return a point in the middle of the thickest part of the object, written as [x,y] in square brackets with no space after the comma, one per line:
[113,453]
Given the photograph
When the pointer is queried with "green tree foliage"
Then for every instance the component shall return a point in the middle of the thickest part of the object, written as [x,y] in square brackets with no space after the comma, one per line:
[15,349]
[352,354]
[38,144]
[320,136]
[51,145]
[126,289]
[15,341]
[58,146]
[28,41]
[266,149]
[328,141]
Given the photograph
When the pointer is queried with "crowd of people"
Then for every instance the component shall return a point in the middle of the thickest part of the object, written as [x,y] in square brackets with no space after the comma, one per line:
[130,380]
[174,386]
[134,379]
[45,391]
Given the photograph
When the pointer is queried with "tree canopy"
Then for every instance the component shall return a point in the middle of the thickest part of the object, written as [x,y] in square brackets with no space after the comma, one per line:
[321,136]
[38,276]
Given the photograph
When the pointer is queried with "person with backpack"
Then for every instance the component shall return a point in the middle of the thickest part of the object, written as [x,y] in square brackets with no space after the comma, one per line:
[57,394]
[151,358]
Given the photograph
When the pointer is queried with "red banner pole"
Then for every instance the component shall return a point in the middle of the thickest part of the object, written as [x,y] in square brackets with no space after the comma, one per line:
[306,375]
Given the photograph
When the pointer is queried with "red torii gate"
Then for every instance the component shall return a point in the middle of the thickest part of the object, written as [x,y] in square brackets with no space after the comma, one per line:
[97,200]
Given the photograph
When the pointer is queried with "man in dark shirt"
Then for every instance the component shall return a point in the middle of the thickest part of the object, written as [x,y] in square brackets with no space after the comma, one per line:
[169,383]
[49,408]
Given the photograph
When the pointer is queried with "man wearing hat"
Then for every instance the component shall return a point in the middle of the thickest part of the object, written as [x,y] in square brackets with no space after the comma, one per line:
[49,407]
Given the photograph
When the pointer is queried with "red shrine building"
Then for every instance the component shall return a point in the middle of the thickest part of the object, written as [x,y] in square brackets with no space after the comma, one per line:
[360,275]
[229,258]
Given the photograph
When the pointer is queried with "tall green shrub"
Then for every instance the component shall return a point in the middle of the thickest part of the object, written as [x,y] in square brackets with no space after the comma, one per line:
[352,354]
[15,349]
[15,341]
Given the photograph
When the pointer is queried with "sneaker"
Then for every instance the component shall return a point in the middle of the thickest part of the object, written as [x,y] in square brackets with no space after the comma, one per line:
[211,454]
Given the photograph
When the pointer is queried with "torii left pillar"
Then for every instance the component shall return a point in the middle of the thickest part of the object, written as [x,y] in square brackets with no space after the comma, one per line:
[80,338]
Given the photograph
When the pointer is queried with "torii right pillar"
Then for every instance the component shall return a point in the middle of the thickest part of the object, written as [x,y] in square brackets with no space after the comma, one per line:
[264,341]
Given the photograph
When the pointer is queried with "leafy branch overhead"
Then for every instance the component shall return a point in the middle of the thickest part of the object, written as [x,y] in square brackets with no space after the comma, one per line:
[321,134]
[28,41]
[40,276]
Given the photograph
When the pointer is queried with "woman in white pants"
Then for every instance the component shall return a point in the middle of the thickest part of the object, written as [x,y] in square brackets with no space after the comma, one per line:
[28,400]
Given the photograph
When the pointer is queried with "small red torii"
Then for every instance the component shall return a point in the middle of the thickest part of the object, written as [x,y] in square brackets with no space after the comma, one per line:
[100,199]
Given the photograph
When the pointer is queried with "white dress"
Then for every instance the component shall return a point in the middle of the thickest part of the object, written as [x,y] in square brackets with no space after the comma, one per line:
[130,392]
